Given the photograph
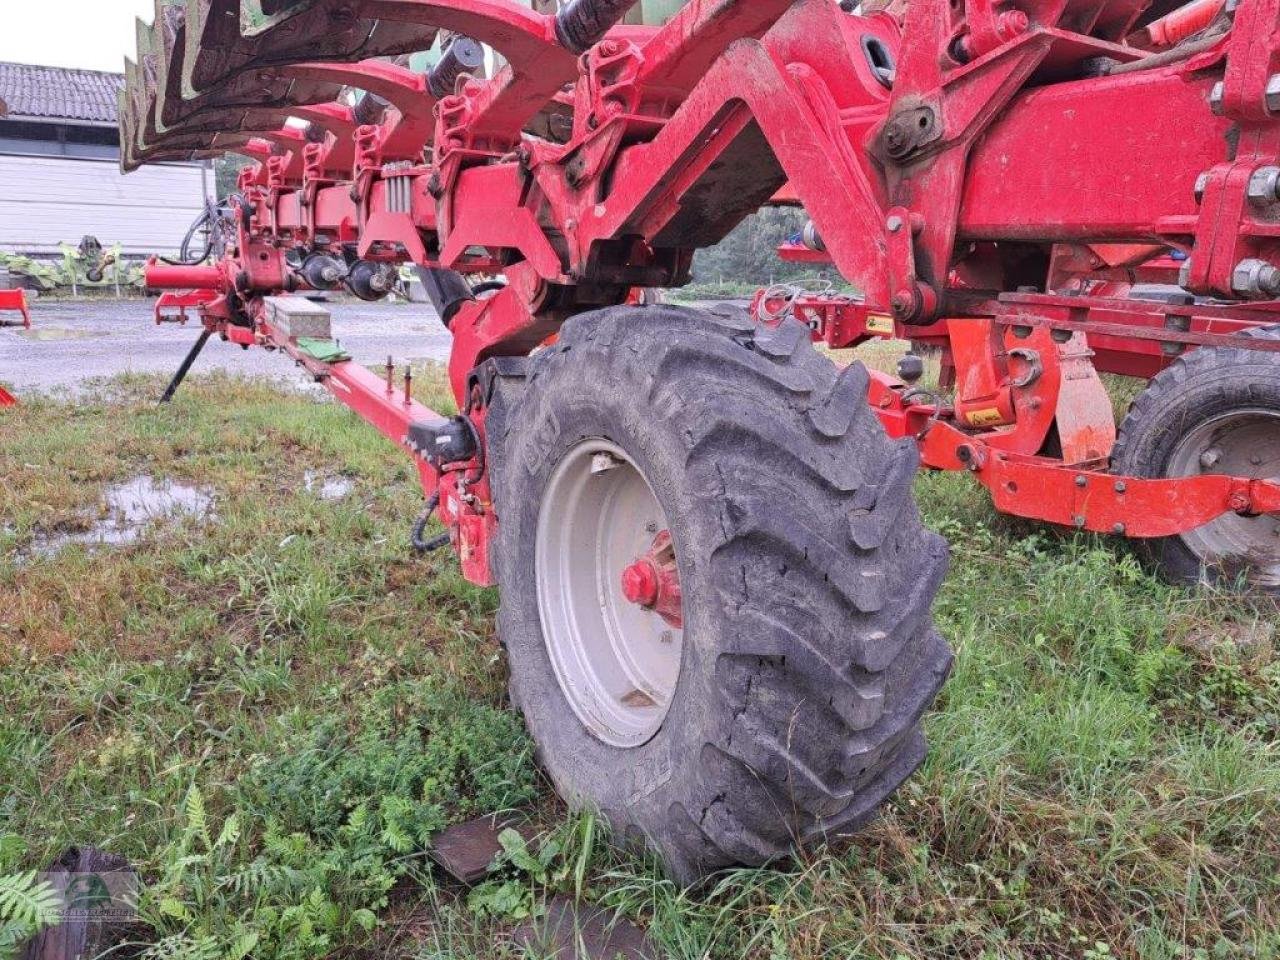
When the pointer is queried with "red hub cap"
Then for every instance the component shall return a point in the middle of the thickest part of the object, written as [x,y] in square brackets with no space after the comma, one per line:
[653,581]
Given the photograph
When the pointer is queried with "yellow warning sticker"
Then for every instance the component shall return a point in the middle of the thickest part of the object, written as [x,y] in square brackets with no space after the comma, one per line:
[878,323]
[984,418]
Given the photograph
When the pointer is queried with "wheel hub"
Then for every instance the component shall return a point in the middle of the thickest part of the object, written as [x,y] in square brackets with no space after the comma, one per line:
[653,581]
[609,599]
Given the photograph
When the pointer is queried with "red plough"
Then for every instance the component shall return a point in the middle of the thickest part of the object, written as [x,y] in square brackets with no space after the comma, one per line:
[703,533]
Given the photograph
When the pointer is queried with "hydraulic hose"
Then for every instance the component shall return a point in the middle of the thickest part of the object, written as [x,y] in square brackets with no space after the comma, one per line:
[418,538]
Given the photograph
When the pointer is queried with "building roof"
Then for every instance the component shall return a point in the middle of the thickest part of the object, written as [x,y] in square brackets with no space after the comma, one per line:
[52,93]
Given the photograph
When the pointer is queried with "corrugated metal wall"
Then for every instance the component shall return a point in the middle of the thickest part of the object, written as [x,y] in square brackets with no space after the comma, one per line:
[45,201]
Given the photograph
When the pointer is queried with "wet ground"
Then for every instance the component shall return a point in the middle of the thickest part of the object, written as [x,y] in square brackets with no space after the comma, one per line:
[71,343]
[128,511]
[143,506]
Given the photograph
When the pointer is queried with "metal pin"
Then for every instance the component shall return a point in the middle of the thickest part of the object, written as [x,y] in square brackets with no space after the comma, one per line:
[391,375]
[408,385]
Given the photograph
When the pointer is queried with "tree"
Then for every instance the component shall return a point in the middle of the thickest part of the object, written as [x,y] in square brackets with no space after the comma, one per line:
[226,169]
[750,253]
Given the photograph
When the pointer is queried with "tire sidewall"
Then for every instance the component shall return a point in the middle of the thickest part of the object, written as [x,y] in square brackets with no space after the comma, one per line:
[642,781]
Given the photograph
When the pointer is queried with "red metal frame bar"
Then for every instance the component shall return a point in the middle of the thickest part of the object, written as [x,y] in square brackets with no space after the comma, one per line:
[172,305]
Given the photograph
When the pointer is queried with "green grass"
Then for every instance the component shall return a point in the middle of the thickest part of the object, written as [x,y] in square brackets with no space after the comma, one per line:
[270,716]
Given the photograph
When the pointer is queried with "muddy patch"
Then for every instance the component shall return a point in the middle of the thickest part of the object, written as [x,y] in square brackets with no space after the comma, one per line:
[129,512]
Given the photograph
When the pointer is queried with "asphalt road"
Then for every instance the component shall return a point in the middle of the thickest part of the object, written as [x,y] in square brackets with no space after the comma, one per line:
[72,343]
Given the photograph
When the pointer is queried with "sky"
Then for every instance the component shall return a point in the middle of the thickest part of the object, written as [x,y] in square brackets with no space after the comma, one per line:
[89,34]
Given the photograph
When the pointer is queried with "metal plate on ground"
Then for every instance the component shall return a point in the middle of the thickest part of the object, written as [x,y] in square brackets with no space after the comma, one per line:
[466,851]
[574,931]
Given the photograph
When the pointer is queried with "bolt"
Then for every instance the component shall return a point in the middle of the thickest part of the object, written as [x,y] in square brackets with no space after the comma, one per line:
[811,238]
[1255,278]
[894,223]
[1210,458]
[1011,23]
[1080,522]
[1082,481]
[1273,94]
[1118,529]
[1121,486]
[1202,184]
[1218,99]
[1184,274]
[1264,186]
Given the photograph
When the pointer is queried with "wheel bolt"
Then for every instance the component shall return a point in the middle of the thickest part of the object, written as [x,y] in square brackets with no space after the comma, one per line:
[1210,458]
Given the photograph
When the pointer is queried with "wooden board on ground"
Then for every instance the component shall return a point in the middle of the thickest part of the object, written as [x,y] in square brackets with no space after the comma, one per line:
[467,850]
[574,931]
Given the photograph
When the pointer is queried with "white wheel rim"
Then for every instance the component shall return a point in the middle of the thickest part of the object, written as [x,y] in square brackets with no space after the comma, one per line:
[1243,443]
[617,663]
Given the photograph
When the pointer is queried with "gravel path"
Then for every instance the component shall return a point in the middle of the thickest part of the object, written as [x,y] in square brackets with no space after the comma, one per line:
[71,343]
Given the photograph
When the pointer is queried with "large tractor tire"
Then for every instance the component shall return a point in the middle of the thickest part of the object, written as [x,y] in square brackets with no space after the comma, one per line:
[716,588]
[1213,411]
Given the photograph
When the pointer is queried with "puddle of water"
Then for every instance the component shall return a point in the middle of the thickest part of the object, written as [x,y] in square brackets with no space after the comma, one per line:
[132,509]
[44,334]
[327,487]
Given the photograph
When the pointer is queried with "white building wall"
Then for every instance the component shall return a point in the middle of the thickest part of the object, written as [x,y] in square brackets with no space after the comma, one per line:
[45,201]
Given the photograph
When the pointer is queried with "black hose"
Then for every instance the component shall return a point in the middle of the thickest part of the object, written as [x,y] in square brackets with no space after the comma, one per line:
[418,538]
[489,286]
[210,220]
[184,249]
